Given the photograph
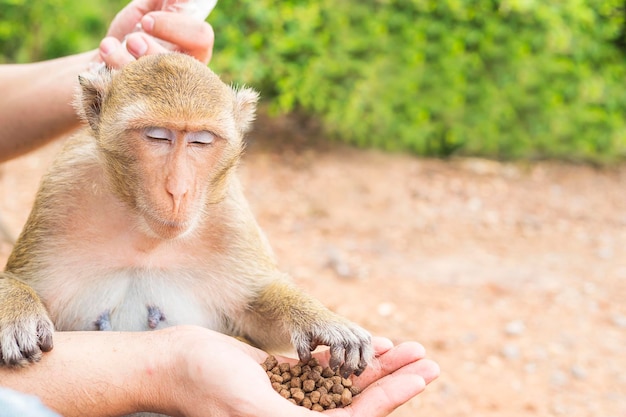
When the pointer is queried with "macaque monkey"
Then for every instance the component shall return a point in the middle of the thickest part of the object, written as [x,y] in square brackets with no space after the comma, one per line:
[141,223]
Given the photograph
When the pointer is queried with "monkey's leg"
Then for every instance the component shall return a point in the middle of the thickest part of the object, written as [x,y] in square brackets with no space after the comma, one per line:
[25,328]
[104,321]
[281,311]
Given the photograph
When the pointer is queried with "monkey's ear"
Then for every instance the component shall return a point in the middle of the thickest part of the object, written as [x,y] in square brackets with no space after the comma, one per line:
[245,108]
[93,88]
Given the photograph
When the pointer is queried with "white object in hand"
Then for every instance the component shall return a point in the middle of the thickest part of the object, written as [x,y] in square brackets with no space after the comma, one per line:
[198,9]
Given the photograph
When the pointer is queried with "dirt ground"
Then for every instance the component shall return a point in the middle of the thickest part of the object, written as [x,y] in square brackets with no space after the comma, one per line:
[512,275]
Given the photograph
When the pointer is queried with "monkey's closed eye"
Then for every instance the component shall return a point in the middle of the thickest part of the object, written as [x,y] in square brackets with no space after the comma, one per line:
[201,138]
[158,133]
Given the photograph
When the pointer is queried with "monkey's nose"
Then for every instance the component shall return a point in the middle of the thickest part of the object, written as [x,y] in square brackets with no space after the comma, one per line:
[177,190]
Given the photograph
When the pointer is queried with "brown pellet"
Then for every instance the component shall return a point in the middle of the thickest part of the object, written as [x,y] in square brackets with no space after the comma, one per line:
[337,389]
[346,397]
[296,370]
[270,362]
[276,378]
[309,384]
[298,395]
[317,407]
[315,396]
[325,400]
[328,384]
[295,382]
[306,403]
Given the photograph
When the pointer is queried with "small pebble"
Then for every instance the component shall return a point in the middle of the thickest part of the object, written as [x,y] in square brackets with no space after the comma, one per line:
[515,328]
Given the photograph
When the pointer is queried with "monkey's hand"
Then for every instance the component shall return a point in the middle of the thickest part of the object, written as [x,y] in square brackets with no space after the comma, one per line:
[285,314]
[25,328]
[350,345]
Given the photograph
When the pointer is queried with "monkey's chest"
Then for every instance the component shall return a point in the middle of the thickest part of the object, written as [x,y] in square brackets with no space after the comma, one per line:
[136,300]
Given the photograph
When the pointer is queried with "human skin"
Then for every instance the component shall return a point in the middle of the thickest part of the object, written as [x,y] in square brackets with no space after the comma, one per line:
[36,105]
[192,371]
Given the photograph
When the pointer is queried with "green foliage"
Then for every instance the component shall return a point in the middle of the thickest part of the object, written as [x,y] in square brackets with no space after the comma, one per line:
[504,79]
[44,29]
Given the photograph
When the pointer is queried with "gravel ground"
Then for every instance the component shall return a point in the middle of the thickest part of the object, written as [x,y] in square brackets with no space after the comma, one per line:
[512,275]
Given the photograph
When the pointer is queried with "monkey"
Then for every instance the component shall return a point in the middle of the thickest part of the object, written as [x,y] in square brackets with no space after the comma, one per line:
[142,223]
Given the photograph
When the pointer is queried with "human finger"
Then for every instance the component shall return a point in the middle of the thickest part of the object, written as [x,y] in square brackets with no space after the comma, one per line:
[427,369]
[190,35]
[383,396]
[390,361]
[113,53]
[126,19]
[381,345]
[139,44]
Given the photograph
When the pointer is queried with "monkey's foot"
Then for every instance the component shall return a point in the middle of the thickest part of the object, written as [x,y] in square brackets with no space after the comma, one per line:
[155,316]
[104,321]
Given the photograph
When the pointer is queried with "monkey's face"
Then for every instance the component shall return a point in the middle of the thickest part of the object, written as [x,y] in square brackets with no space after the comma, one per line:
[178,174]
[171,132]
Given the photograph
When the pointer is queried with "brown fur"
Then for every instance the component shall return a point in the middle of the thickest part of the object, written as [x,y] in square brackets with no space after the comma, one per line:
[125,222]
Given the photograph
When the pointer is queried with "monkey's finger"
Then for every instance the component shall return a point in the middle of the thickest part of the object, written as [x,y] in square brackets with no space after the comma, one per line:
[352,359]
[362,363]
[113,53]
[337,354]
[189,35]
[304,351]
[44,333]
[367,352]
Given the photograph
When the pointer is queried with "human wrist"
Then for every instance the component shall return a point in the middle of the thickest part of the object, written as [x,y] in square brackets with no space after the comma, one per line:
[162,374]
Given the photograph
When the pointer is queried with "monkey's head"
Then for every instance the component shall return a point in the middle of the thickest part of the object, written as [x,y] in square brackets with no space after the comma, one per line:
[170,132]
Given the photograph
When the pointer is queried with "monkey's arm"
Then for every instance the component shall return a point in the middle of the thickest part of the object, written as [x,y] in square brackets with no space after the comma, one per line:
[282,313]
[25,328]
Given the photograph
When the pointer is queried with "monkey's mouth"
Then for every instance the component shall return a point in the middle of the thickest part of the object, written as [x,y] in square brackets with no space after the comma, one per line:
[173,225]
[167,229]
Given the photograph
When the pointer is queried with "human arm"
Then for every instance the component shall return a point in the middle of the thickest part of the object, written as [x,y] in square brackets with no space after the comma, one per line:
[36,105]
[192,371]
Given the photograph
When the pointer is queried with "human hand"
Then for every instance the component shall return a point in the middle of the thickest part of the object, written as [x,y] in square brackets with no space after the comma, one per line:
[222,376]
[399,374]
[188,34]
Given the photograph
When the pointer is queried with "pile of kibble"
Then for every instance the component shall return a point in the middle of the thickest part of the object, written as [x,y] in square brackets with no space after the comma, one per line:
[310,385]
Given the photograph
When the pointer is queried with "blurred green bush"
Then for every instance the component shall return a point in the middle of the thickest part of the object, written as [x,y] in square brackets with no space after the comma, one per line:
[44,29]
[503,79]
